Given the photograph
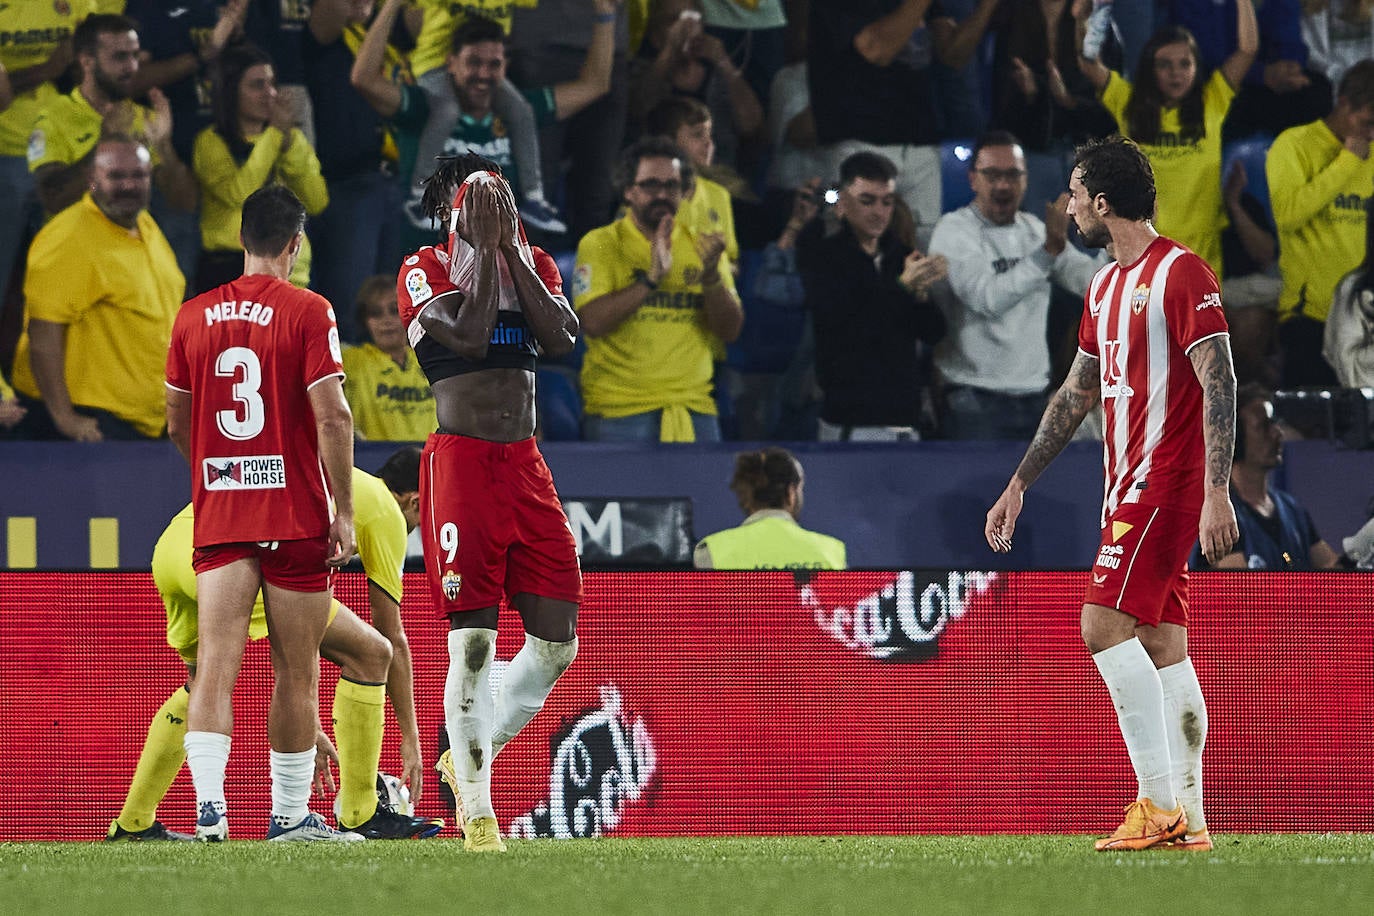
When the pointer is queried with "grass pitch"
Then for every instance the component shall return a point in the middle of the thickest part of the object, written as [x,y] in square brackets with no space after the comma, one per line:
[1290,873]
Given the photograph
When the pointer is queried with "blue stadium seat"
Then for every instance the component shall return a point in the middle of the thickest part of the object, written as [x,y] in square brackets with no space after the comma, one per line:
[1251,152]
[771,331]
[558,405]
[954,164]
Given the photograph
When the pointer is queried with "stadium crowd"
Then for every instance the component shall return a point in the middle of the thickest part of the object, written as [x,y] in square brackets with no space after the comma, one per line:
[834,220]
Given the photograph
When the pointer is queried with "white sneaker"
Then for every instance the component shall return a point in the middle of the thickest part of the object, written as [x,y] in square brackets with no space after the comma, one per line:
[311,827]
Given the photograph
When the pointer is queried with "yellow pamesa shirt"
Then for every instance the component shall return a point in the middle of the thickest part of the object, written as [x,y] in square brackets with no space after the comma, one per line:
[1318,190]
[443,16]
[225,184]
[1188,205]
[29,32]
[390,403]
[118,293]
[659,358]
[68,128]
[769,539]
[378,525]
[709,210]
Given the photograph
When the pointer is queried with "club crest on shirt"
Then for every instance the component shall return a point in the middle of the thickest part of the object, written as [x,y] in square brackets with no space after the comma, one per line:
[1139,298]
[452,583]
[581,280]
[417,285]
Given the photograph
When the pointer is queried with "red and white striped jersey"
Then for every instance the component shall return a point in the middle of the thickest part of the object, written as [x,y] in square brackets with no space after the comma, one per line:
[1139,321]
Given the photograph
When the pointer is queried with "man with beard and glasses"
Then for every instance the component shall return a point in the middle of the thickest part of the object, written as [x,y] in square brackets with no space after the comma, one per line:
[101,293]
[1153,349]
[1002,265]
[651,291]
[67,129]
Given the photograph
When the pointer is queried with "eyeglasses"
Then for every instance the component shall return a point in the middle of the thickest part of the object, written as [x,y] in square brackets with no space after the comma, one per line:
[654,186]
[996,175]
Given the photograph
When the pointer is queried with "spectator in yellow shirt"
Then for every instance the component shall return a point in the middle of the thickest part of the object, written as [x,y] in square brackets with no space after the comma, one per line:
[652,295]
[101,293]
[67,127]
[251,144]
[1174,112]
[31,66]
[383,381]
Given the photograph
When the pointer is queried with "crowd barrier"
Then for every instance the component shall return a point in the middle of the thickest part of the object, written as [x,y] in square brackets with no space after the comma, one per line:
[949,702]
[102,506]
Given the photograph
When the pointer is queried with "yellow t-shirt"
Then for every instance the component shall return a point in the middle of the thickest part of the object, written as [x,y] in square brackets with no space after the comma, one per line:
[68,128]
[770,539]
[1318,190]
[6,392]
[118,294]
[390,403]
[29,32]
[443,16]
[225,185]
[378,525]
[659,357]
[709,210]
[1189,206]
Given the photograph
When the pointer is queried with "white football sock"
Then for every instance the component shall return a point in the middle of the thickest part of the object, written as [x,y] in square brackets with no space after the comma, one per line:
[468,712]
[292,774]
[207,754]
[1139,700]
[1185,714]
[527,682]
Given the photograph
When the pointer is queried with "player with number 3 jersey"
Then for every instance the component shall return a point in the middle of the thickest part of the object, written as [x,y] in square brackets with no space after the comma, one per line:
[255,403]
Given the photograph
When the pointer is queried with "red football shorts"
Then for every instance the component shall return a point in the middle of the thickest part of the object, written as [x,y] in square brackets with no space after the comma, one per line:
[297,566]
[1142,564]
[492,525]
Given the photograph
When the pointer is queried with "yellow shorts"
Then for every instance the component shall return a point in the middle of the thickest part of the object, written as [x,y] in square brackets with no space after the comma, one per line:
[176,583]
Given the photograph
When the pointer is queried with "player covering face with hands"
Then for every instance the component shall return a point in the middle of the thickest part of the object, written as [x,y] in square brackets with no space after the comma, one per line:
[477,311]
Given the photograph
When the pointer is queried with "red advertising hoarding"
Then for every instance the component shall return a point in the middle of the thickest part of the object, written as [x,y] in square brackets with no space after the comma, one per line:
[756,703]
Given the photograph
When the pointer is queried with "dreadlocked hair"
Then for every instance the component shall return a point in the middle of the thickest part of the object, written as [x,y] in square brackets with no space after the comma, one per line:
[443,184]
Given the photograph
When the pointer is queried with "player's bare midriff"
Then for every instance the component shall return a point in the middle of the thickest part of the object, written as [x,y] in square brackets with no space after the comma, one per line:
[492,404]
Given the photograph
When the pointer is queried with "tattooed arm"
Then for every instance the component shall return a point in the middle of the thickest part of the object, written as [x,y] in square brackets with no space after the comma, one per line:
[1079,394]
[1217,530]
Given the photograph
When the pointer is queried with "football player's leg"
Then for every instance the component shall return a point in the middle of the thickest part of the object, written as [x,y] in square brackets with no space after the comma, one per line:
[550,647]
[363,656]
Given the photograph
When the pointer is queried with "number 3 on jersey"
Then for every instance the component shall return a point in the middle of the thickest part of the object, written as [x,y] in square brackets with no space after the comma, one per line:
[248,419]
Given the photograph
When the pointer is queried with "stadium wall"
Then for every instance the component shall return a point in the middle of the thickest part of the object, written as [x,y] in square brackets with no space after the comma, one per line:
[102,506]
[757,704]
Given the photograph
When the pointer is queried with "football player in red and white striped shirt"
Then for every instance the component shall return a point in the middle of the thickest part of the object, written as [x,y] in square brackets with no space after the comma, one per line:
[1153,348]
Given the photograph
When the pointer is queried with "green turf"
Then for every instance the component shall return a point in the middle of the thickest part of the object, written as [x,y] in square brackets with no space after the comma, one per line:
[1292,873]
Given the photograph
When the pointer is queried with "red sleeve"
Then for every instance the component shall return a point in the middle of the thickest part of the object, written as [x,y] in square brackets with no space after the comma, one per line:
[323,355]
[1087,326]
[1192,303]
[178,370]
[423,276]
[547,268]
